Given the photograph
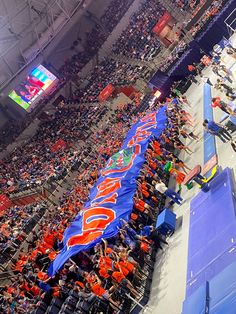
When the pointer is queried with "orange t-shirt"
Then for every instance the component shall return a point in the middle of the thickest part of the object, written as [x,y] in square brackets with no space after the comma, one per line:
[90,278]
[191,67]
[25,286]
[152,164]
[139,205]
[118,276]
[106,262]
[52,255]
[109,250]
[121,266]
[216,103]
[144,186]
[42,248]
[127,265]
[144,247]
[98,290]
[103,272]
[49,239]
[10,290]
[145,193]
[157,148]
[35,290]
[79,283]
[34,254]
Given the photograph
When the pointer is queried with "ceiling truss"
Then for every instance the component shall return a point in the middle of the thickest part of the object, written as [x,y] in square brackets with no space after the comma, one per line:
[26,28]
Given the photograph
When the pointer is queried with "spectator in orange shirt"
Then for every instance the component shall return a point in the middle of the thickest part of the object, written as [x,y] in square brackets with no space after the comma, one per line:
[217,102]
[119,277]
[97,289]
[143,207]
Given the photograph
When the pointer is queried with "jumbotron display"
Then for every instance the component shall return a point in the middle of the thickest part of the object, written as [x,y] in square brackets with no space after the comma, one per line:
[36,83]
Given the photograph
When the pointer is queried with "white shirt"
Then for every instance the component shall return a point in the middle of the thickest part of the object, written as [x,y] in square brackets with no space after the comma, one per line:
[161,187]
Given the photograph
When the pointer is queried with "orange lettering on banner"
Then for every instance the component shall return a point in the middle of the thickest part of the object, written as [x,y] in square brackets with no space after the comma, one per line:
[97,218]
[110,199]
[139,137]
[109,185]
[146,126]
[84,238]
[95,221]
[150,116]
[141,133]
[91,221]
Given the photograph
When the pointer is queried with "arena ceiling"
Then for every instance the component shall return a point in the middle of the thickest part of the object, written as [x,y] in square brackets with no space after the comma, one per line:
[27,27]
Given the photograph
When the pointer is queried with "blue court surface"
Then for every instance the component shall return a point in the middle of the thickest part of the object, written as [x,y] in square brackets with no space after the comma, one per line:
[209,140]
[216,296]
[212,232]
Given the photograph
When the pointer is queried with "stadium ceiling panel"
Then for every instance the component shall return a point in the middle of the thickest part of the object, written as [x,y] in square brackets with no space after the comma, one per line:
[27,27]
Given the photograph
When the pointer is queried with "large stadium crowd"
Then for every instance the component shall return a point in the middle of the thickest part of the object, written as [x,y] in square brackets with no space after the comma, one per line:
[137,41]
[114,266]
[106,277]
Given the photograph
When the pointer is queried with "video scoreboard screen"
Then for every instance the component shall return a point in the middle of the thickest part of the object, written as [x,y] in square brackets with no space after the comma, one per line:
[35,85]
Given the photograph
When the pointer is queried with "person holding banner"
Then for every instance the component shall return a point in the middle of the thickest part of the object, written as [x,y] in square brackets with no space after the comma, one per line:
[102,293]
[163,189]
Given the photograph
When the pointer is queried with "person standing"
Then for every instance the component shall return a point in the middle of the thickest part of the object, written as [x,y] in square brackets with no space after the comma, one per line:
[217,102]
[222,86]
[223,72]
[163,189]
[218,130]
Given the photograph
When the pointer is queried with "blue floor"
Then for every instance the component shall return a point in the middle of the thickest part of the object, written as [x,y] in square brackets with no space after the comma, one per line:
[216,296]
[212,232]
[209,140]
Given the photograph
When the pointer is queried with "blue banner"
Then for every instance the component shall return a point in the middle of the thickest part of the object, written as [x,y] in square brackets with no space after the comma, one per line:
[112,197]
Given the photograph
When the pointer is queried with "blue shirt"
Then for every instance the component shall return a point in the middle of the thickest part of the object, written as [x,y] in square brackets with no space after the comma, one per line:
[129,242]
[44,286]
[146,231]
[175,101]
[212,126]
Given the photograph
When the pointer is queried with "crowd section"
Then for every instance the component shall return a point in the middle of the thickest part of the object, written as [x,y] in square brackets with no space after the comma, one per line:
[137,40]
[109,71]
[15,225]
[189,5]
[103,278]
[182,46]
[37,161]
[98,277]
[112,17]
[13,128]
[95,38]
[208,15]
